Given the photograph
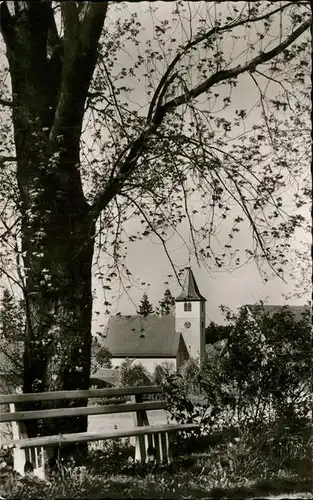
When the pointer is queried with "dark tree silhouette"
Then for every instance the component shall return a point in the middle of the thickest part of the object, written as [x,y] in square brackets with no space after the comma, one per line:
[214,332]
[12,318]
[145,307]
[167,303]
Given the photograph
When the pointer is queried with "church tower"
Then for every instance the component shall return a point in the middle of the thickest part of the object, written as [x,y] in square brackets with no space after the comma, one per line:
[190,316]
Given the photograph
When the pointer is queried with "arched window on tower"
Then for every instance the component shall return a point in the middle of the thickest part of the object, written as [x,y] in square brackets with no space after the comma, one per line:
[187,306]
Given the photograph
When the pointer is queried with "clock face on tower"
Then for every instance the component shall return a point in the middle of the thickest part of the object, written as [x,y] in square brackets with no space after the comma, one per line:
[187,324]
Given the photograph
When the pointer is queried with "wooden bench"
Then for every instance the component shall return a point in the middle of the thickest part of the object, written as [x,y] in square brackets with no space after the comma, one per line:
[38,450]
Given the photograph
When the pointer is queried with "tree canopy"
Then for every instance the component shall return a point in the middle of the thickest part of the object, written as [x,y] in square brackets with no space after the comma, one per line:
[214,332]
[237,160]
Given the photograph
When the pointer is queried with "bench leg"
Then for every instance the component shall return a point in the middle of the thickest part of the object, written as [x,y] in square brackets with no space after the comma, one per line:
[140,448]
[140,419]
[30,460]
[170,437]
[19,460]
[37,457]
[40,461]
[163,446]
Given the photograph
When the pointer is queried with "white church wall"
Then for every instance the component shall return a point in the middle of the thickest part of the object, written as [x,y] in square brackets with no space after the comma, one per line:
[192,326]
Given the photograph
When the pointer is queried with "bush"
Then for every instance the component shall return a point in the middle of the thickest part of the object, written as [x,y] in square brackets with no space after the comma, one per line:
[100,356]
[134,374]
[161,372]
[179,404]
[236,463]
[264,370]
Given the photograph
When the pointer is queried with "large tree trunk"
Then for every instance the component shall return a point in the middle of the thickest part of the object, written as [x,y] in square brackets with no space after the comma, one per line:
[58,290]
[50,78]
[57,244]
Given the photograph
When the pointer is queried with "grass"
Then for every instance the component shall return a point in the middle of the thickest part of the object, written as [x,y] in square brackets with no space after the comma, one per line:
[224,465]
[167,483]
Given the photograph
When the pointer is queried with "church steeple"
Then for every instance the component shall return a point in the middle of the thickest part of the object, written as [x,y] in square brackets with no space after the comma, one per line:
[190,290]
[190,316]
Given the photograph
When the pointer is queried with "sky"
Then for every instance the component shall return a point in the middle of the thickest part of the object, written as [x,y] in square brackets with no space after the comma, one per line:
[151,269]
[150,265]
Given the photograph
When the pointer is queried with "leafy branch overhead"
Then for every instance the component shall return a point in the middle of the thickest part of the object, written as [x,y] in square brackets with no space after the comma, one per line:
[136,141]
[202,158]
[130,155]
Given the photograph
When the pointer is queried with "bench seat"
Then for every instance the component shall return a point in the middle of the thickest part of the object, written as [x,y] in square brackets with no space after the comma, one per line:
[98,436]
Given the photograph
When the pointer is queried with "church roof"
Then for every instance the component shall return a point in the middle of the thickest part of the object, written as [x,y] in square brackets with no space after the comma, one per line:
[258,310]
[142,337]
[190,290]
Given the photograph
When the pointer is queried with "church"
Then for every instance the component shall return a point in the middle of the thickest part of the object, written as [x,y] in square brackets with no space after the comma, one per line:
[151,340]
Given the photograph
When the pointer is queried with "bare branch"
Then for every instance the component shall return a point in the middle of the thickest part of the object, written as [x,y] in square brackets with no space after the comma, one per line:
[221,76]
[128,165]
[164,82]
[5,102]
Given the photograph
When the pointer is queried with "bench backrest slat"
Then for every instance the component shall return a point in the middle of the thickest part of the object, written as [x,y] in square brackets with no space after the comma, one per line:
[81,410]
[79,394]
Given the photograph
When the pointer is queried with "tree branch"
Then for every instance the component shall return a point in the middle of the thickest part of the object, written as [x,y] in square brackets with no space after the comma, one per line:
[5,102]
[80,52]
[10,277]
[125,169]
[163,241]
[54,40]
[231,73]
[163,84]
[6,23]
[127,166]
[70,20]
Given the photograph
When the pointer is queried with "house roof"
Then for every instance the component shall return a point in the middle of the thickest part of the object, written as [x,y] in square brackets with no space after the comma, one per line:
[142,337]
[190,290]
[257,310]
[105,377]
[217,347]
[108,374]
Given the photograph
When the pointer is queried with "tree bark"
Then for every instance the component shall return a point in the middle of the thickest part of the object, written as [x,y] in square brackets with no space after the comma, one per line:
[50,78]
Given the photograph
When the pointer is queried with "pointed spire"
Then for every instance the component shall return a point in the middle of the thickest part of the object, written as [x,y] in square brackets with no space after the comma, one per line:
[190,290]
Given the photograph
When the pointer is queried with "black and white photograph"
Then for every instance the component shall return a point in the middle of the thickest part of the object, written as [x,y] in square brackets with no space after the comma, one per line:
[155,249]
